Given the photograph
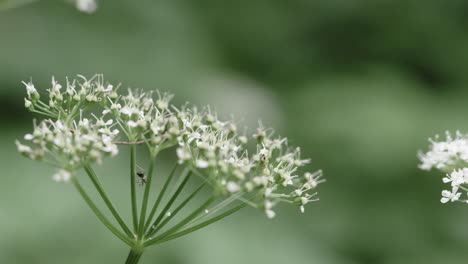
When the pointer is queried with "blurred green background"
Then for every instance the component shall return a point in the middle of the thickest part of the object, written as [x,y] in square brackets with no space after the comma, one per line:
[359,85]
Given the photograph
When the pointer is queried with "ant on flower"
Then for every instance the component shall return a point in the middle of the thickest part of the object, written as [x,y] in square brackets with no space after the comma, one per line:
[142,177]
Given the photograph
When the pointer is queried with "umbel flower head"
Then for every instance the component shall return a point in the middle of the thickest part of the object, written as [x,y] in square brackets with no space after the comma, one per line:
[451,157]
[87,120]
[72,137]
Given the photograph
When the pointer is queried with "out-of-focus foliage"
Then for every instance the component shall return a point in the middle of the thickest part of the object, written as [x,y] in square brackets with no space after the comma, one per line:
[360,85]
[6,4]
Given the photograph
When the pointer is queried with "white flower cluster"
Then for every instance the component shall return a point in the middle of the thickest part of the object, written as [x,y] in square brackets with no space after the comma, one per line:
[450,156]
[66,139]
[70,147]
[445,155]
[458,178]
[144,119]
[214,148]
[210,148]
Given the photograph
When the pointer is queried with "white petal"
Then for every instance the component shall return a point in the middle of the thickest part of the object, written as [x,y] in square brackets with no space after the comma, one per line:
[270,213]
[232,187]
[202,164]
[444,200]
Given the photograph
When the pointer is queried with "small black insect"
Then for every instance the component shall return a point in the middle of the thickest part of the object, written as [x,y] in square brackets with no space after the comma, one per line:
[142,177]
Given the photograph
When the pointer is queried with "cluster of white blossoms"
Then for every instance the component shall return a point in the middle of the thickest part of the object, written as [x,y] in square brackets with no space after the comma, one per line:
[264,171]
[216,150]
[446,155]
[451,157]
[66,139]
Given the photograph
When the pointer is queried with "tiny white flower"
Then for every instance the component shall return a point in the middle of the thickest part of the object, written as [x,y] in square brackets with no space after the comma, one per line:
[109,88]
[457,177]
[56,86]
[126,111]
[62,176]
[270,214]
[288,179]
[30,89]
[302,209]
[452,196]
[132,123]
[268,209]
[183,155]
[243,139]
[23,148]
[162,104]
[27,103]
[116,107]
[202,164]
[232,187]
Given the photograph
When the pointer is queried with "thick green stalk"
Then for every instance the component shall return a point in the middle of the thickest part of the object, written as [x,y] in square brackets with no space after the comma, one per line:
[152,229]
[181,224]
[134,256]
[160,196]
[132,187]
[196,227]
[97,184]
[182,205]
[144,204]
[99,214]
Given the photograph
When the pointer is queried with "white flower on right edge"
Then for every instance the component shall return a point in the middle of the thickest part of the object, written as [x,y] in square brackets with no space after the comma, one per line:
[452,196]
[450,156]
[445,154]
[457,177]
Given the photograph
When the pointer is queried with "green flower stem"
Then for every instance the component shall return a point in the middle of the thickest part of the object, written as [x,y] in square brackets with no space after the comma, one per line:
[215,209]
[160,196]
[45,108]
[99,214]
[132,187]
[97,184]
[181,224]
[43,113]
[152,229]
[196,227]
[144,204]
[134,256]
[78,108]
[182,205]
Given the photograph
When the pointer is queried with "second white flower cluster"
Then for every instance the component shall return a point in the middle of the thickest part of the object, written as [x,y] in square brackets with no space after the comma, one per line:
[450,156]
